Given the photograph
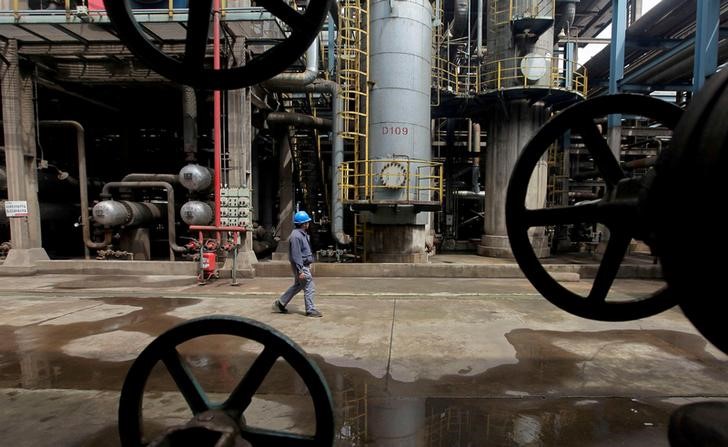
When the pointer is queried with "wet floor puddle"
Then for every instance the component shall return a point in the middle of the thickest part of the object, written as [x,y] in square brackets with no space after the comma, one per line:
[536,401]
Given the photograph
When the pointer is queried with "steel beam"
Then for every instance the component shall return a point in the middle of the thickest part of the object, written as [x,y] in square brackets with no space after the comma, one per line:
[707,26]
[619,30]
[616,69]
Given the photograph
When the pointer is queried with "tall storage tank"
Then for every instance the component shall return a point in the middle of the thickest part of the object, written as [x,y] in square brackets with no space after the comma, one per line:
[400,70]
[400,174]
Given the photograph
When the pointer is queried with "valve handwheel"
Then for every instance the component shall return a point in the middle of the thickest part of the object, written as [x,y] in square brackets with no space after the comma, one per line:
[619,210]
[191,69]
[689,201]
[276,345]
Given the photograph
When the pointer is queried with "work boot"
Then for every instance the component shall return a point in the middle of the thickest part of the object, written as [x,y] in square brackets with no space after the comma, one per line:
[279,308]
[314,313]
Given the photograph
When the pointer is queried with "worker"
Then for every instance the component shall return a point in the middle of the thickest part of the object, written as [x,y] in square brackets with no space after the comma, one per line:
[301,258]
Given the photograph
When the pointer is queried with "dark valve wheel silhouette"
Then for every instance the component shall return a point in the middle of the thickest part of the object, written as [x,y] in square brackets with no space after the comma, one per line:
[225,418]
[620,209]
[689,198]
[191,69]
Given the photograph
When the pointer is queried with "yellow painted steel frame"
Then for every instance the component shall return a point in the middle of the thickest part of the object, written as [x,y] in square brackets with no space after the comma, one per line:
[353,77]
[419,176]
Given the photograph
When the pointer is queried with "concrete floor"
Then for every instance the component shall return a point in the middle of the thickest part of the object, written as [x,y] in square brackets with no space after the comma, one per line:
[410,362]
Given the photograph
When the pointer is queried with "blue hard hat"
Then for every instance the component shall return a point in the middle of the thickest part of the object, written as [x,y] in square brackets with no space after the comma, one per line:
[301,217]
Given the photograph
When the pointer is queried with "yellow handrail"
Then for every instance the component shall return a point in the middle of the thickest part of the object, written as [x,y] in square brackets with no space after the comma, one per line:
[412,181]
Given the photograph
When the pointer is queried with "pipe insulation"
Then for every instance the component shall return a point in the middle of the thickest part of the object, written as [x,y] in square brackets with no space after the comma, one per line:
[171,231]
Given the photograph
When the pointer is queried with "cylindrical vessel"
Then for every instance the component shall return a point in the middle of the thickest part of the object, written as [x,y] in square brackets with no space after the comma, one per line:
[195,177]
[195,212]
[400,70]
[112,213]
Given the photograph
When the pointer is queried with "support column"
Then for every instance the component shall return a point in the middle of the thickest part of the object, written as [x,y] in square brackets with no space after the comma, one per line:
[616,70]
[509,131]
[707,32]
[239,147]
[20,163]
[285,195]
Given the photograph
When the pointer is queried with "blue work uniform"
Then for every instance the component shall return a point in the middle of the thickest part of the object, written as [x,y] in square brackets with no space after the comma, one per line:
[301,258]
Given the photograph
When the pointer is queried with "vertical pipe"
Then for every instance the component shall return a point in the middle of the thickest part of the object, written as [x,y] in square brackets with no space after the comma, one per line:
[332,46]
[217,109]
[480,28]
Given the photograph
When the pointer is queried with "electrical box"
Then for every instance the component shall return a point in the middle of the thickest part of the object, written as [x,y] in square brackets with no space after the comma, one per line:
[235,207]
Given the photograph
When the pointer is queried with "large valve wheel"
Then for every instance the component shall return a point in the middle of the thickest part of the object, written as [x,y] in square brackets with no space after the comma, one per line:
[619,209]
[689,201]
[276,345]
[191,70]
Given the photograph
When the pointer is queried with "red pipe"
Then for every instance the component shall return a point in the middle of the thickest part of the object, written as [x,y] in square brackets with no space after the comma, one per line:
[217,110]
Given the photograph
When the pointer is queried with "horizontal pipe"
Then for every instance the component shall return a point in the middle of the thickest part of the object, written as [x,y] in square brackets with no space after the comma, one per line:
[137,177]
[214,228]
[298,120]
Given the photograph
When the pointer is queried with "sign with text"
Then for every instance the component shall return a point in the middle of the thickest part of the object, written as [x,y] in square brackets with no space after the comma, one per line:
[18,208]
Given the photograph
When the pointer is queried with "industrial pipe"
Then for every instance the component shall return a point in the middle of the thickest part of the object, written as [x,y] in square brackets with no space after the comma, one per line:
[189,123]
[217,112]
[111,213]
[480,28]
[82,185]
[136,177]
[171,231]
[298,120]
[337,152]
[292,80]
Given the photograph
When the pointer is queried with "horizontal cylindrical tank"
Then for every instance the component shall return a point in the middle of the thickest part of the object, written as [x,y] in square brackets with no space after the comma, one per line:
[195,177]
[112,213]
[195,212]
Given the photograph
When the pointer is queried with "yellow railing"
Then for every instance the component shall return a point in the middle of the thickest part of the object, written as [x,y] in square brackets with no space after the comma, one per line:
[391,181]
[453,78]
[503,12]
[558,74]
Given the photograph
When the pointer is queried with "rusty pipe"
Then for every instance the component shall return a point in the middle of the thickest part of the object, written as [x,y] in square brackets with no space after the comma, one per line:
[171,231]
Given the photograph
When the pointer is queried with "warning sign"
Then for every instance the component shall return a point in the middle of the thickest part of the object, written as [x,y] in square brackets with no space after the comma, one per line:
[18,208]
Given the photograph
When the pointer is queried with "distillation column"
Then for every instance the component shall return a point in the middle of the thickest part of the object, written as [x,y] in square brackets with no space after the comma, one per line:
[520,44]
[399,128]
